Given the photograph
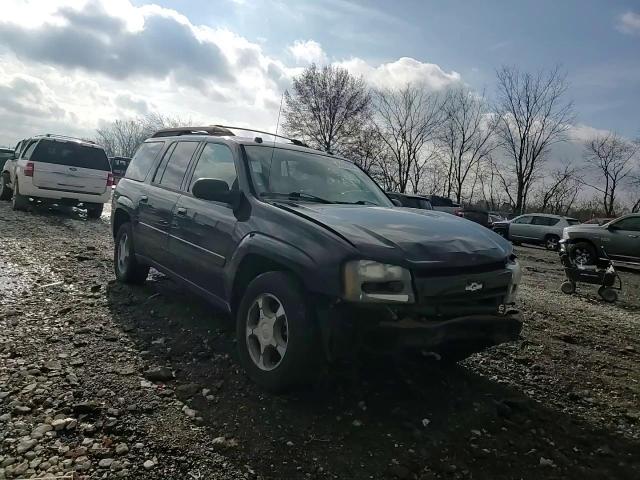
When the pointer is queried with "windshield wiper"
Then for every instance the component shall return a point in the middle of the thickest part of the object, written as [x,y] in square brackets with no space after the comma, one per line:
[297,196]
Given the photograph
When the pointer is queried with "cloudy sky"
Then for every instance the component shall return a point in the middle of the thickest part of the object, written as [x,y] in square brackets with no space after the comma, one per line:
[68,66]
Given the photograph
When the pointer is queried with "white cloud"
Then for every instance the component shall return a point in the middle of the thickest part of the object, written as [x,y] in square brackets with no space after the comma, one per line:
[402,71]
[308,51]
[629,22]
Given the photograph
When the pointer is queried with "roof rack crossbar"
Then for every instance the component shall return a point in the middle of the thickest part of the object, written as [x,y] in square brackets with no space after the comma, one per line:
[213,130]
[294,141]
[54,135]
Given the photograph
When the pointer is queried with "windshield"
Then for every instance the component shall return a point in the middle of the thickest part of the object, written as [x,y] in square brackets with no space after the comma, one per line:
[279,172]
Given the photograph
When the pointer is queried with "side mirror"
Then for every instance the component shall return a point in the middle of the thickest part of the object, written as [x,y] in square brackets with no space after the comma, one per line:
[215,190]
[396,202]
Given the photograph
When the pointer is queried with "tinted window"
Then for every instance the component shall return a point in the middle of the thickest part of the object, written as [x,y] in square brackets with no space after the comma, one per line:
[437,201]
[177,165]
[632,224]
[216,161]
[143,160]
[6,154]
[573,221]
[70,153]
[546,221]
[523,220]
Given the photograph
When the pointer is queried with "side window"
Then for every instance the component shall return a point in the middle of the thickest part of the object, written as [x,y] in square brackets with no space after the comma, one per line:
[546,221]
[631,224]
[143,160]
[526,220]
[177,165]
[29,151]
[216,161]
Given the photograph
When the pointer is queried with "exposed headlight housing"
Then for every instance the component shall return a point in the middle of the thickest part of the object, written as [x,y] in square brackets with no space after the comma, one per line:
[370,281]
[565,234]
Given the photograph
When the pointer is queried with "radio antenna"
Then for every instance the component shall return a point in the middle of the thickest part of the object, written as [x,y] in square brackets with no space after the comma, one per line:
[279,112]
[273,149]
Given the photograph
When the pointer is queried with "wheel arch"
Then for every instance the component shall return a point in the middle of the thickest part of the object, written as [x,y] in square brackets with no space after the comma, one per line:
[120,217]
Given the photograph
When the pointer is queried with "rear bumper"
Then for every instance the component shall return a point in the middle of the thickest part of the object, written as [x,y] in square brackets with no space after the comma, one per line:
[27,188]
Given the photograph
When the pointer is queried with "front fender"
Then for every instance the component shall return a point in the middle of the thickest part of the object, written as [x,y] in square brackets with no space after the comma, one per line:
[312,274]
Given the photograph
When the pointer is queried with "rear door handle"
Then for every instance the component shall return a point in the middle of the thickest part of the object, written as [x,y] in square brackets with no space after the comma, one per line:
[144,199]
[181,211]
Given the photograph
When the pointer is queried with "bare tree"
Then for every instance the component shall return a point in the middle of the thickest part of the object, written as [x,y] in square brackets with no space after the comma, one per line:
[466,137]
[326,107]
[122,137]
[407,119]
[559,190]
[610,156]
[531,117]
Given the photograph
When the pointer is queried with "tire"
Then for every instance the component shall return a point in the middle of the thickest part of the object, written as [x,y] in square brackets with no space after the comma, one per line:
[19,202]
[568,287]
[609,295]
[127,268]
[5,190]
[95,211]
[292,354]
[583,253]
[552,242]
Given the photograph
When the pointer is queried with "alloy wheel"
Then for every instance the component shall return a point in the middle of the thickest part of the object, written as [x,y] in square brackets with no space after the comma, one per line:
[267,332]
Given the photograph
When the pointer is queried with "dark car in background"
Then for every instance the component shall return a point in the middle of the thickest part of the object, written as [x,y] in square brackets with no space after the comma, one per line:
[308,254]
[444,204]
[411,201]
[119,167]
[619,238]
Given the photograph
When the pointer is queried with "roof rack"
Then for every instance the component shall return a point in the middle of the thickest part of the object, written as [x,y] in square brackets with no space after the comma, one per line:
[53,135]
[214,130]
[295,141]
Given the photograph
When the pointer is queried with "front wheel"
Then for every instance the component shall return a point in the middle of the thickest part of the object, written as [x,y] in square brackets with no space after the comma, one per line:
[127,268]
[5,189]
[276,333]
[583,253]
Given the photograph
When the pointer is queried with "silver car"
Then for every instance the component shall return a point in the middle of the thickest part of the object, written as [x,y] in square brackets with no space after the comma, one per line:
[535,228]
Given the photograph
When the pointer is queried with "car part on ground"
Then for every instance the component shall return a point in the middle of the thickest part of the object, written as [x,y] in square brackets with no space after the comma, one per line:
[207,208]
[620,238]
[600,273]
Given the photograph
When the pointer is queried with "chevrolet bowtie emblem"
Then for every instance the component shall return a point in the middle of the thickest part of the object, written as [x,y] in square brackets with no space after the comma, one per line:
[473,287]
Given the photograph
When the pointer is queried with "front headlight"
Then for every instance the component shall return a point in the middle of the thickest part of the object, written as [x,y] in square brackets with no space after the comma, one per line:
[369,281]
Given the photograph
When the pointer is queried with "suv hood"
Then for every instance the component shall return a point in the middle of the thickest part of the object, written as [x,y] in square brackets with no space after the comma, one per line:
[417,238]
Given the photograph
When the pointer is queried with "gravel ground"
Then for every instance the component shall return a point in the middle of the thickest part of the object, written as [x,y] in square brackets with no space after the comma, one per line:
[99,380]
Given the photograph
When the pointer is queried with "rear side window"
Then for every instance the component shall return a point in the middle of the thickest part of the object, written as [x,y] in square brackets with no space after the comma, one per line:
[70,154]
[177,165]
[216,161]
[143,160]
[545,221]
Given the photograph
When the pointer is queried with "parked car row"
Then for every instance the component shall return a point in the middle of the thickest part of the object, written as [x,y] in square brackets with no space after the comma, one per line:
[308,254]
[54,169]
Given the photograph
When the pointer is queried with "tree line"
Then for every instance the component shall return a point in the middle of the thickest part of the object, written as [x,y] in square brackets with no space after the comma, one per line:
[454,142]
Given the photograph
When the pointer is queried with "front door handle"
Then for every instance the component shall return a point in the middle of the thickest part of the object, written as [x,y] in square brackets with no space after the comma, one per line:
[144,199]
[181,211]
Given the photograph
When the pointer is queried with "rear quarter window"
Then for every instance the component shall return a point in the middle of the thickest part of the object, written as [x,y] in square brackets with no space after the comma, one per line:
[143,160]
[71,154]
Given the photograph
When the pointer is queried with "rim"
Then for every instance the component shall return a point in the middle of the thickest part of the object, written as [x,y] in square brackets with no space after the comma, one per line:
[123,252]
[267,332]
[552,243]
[582,256]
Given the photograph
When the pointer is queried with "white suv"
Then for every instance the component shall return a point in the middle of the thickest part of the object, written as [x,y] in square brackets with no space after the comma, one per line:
[57,170]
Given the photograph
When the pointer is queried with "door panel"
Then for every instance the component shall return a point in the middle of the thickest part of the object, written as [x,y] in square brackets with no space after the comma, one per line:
[201,239]
[155,209]
[519,227]
[624,239]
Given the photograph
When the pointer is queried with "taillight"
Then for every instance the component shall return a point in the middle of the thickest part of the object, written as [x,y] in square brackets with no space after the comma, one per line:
[28,169]
[109,179]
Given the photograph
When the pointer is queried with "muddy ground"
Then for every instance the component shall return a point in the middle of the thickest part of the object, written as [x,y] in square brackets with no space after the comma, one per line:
[110,381]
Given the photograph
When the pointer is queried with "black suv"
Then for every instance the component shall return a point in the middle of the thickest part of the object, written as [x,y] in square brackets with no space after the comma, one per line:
[308,254]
